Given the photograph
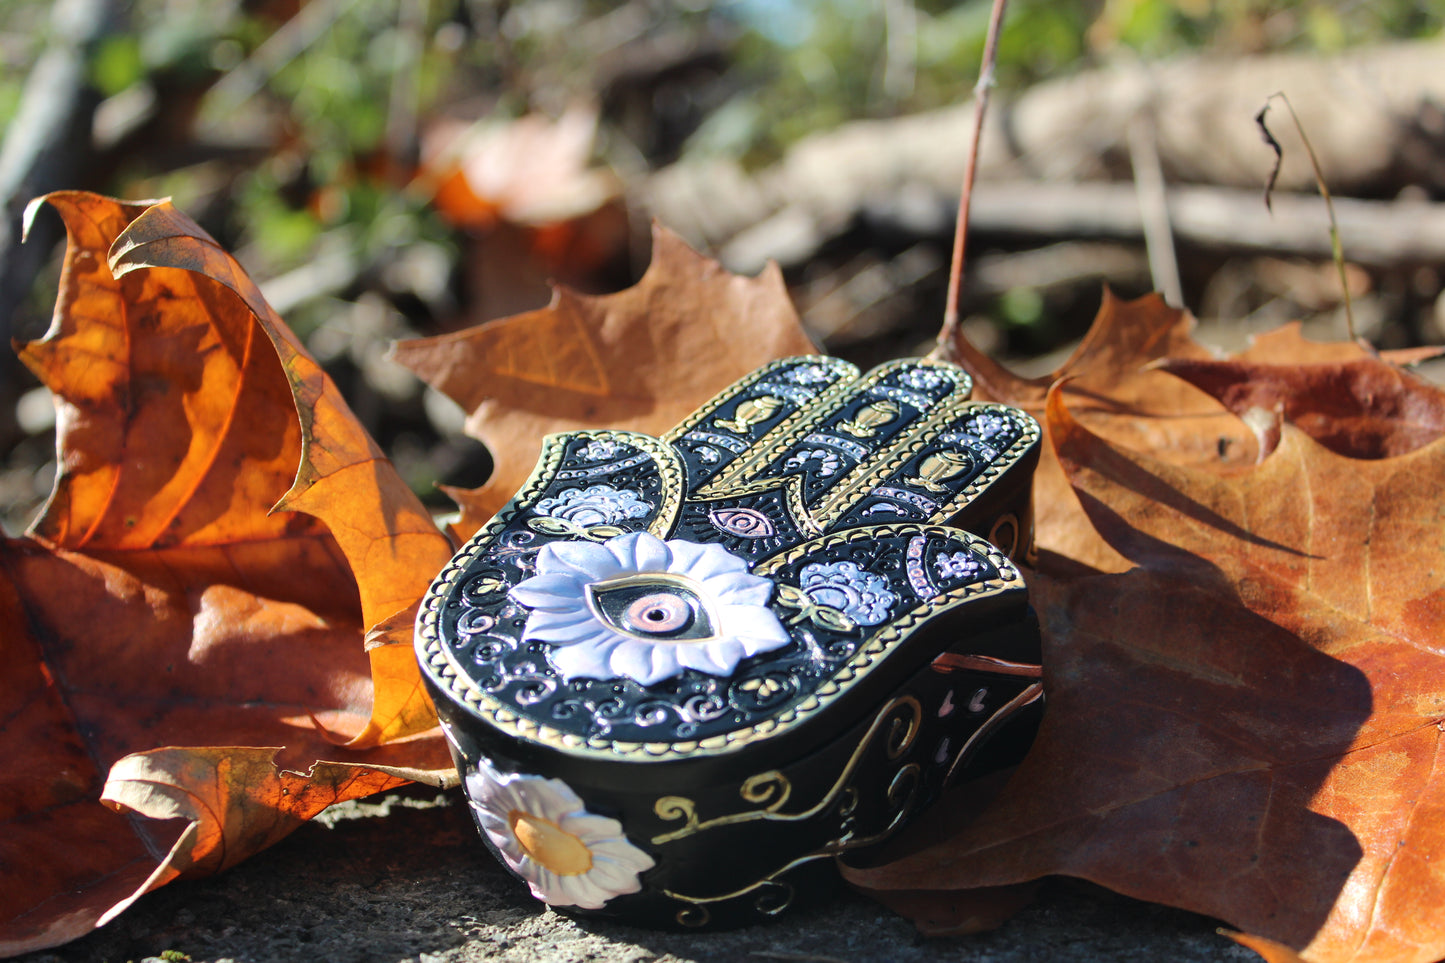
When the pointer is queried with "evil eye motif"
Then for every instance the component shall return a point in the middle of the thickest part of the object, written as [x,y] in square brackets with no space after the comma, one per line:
[640,608]
[742,522]
[652,607]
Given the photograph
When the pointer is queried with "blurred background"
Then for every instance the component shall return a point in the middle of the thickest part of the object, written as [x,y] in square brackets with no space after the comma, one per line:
[395,168]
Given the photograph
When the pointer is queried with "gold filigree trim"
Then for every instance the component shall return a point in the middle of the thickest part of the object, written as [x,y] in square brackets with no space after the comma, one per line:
[774,788]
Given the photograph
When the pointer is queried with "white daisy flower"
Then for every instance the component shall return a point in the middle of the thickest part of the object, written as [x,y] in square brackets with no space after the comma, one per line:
[544,833]
[641,608]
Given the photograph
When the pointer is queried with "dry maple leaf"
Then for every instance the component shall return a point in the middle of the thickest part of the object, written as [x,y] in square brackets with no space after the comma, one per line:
[531,207]
[160,602]
[1113,390]
[640,359]
[1364,408]
[1246,724]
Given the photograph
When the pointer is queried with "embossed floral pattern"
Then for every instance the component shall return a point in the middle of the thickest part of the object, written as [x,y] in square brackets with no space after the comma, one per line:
[824,462]
[921,379]
[544,833]
[862,596]
[957,565]
[988,425]
[808,374]
[599,448]
[594,505]
[683,606]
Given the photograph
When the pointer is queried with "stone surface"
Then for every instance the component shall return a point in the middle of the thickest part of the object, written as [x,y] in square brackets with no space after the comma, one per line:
[418,886]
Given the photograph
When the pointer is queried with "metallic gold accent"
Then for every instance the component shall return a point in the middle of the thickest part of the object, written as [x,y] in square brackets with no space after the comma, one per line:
[787,434]
[868,475]
[823,616]
[762,787]
[547,525]
[769,880]
[693,915]
[871,417]
[486,586]
[900,794]
[848,372]
[937,468]
[1010,523]
[751,412]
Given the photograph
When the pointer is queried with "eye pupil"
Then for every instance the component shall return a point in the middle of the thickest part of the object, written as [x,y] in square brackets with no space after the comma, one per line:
[658,612]
[652,607]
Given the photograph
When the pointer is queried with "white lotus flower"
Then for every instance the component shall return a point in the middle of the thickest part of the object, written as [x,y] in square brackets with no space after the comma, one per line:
[641,608]
[544,833]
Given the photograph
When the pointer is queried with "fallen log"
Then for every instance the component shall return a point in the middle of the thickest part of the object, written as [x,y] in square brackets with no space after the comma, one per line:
[1373,115]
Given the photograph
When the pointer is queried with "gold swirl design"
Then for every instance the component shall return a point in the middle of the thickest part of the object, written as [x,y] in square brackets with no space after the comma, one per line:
[902,789]
[772,789]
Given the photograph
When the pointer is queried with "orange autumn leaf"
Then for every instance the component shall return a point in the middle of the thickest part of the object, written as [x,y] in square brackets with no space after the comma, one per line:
[343,479]
[530,171]
[160,602]
[1247,723]
[640,359]
[1112,388]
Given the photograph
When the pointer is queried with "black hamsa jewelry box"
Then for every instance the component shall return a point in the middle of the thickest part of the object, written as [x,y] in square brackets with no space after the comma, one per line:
[680,676]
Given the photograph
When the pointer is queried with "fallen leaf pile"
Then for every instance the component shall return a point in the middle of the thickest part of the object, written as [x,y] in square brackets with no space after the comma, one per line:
[228,561]
[1245,716]
[1238,573]
[161,621]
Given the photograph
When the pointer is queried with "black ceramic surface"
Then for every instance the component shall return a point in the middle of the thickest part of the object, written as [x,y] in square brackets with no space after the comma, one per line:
[680,675]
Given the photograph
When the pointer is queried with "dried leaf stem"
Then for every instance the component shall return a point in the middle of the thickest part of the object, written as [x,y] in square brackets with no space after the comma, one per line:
[1337,249]
[949,331]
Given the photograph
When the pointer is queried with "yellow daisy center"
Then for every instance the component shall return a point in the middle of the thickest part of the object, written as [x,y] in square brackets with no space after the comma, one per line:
[549,845]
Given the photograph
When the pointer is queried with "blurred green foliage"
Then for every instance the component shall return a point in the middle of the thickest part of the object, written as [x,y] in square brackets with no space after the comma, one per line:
[332,97]
[835,59]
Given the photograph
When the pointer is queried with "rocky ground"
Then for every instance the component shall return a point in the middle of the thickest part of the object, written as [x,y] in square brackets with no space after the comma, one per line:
[418,886]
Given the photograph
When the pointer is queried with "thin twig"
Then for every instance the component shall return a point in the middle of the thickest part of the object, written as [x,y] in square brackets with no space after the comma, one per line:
[1337,248]
[981,91]
[1154,210]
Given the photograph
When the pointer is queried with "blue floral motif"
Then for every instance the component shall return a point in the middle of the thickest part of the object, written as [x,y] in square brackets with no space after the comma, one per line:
[808,374]
[988,425]
[921,379]
[594,505]
[599,448]
[862,596]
